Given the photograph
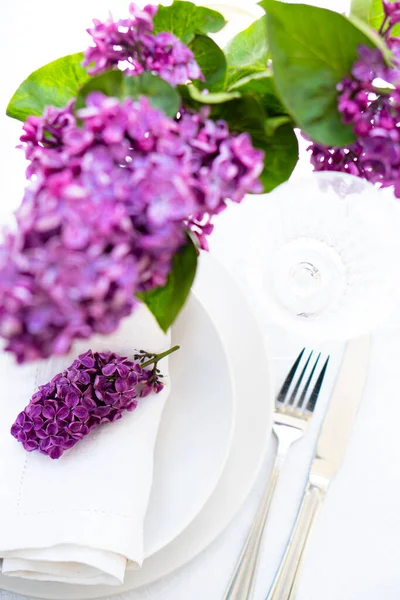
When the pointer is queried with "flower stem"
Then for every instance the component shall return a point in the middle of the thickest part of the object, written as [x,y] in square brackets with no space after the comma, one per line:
[158,357]
[381,32]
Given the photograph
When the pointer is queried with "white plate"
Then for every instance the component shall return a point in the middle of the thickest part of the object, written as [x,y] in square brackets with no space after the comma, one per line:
[196,428]
[253,417]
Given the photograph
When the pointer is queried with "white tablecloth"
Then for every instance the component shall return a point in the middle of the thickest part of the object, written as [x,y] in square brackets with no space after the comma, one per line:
[354,550]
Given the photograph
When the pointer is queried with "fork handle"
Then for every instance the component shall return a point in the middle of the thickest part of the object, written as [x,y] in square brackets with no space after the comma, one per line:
[285,583]
[241,586]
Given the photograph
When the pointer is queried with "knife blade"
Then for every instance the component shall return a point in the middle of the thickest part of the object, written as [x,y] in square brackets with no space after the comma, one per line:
[342,411]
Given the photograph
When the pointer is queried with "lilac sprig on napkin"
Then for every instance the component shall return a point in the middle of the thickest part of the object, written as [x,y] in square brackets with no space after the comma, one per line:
[97,388]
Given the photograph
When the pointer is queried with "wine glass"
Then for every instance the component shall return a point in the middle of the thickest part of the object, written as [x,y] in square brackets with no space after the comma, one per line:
[323,255]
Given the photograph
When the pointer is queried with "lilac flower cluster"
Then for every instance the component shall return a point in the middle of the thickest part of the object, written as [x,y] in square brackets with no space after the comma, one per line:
[97,388]
[107,207]
[369,101]
[130,45]
[391,18]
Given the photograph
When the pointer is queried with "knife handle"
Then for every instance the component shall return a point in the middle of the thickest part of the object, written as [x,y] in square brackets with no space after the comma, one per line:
[286,579]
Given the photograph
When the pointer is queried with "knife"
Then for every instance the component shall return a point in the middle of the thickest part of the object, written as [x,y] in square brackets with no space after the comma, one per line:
[331,446]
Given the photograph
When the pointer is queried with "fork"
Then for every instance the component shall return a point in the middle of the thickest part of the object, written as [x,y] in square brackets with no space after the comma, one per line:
[293,412]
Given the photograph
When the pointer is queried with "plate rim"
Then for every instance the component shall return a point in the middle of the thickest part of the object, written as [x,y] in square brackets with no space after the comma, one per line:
[232,413]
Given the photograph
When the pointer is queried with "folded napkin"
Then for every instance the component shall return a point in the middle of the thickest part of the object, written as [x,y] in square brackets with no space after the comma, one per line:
[79,519]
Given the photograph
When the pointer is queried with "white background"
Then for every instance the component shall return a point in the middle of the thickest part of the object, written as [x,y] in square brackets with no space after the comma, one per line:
[354,553]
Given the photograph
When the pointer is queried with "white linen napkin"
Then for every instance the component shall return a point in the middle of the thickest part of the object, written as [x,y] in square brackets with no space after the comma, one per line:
[79,519]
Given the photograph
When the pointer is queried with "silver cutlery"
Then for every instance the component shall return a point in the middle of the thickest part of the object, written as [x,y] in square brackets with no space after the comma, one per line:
[294,408]
[332,442]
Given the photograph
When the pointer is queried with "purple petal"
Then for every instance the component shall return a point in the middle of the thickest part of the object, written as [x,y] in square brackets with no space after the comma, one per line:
[72,399]
[31,445]
[109,369]
[76,427]
[84,377]
[38,423]
[88,403]
[48,412]
[111,398]
[145,391]
[51,429]
[37,397]
[87,359]
[131,405]
[35,411]
[102,411]
[57,440]
[116,416]
[80,412]
[27,426]
[55,452]
[62,414]
[123,370]
[44,445]
[69,443]
[21,419]
[15,429]
[41,434]
[121,385]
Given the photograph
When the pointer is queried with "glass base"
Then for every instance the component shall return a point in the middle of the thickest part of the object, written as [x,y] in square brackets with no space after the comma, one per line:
[307,277]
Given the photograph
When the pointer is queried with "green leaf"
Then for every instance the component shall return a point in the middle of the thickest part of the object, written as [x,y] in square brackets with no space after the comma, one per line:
[261,85]
[275,123]
[55,84]
[211,61]
[185,19]
[165,303]
[248,52]
[114,83]
[243,114]
[282,153]
[312,50]
[369,11]
[211,98]
[255,82]
[278,140]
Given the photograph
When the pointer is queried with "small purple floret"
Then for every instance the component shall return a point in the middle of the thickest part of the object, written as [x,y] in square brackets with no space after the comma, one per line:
[97,388]
[130,45]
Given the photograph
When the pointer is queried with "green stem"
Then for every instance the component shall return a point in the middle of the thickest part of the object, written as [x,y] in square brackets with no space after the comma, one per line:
[159,357]
[381,32]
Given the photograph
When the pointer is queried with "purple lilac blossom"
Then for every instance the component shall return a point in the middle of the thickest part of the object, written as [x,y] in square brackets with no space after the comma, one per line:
[97,388]
[369,101]
[373,114]
[130,45]
[392,17]
[107,207]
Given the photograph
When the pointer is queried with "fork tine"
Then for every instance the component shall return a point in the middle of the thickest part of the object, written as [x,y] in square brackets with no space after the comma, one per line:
[315,393]
[286,384]
[300,379]
[300,402]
